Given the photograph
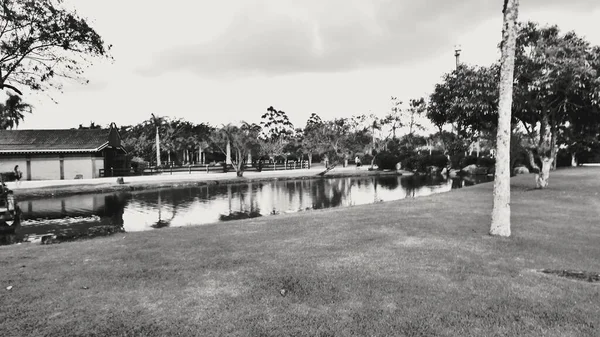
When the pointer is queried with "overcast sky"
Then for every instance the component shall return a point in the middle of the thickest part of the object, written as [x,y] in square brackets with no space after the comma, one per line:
[229,60]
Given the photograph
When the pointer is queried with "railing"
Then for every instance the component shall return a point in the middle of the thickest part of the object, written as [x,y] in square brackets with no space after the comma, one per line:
[112,172]
[256,167]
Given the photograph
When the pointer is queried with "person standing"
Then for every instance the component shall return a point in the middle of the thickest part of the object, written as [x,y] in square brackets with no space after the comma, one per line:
[357,161]
[18,175]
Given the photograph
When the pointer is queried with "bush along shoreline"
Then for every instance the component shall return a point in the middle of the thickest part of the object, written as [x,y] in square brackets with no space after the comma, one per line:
[439,163]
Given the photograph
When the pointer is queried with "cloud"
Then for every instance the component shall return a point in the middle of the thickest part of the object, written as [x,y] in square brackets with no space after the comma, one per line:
[273,37]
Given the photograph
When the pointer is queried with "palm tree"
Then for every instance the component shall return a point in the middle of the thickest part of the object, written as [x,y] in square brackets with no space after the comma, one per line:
[501,212]
[157,122]
[12,111]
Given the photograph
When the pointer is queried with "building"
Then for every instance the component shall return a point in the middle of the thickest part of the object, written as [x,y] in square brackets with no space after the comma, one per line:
[62,154]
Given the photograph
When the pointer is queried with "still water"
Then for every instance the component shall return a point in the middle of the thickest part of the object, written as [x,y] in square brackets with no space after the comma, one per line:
[89,215]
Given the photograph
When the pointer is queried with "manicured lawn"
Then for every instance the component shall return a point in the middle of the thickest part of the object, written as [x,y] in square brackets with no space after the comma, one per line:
[422,267]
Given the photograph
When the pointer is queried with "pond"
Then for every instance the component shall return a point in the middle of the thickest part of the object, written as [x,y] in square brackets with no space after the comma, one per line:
[82,216]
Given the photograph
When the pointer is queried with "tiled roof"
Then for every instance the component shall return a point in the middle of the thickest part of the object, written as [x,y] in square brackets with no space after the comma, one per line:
[74,140]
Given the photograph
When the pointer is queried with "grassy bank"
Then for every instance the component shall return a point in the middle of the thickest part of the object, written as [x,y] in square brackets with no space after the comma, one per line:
[195,180]
[420,267]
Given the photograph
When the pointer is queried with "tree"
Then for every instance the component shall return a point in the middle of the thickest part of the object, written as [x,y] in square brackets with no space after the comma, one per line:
[12,111]
[276,132]
[138,139]
[556,81]
[313,136]
[242,139]
[342,137]
[179,136]
[40,40]
[466,98]
[500,224]
[394,119]
[416,108]
[157,122]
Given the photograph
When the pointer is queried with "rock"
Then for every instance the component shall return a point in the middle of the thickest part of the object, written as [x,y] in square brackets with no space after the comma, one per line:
[120,180]
[453,173]
[475,170]
[444,171]
[469,169]
[520,170]
[9,287]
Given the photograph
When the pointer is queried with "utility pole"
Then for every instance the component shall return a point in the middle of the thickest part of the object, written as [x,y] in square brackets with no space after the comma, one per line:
[457,50]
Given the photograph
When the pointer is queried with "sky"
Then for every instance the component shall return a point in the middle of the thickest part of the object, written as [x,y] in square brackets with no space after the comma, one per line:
[227,61]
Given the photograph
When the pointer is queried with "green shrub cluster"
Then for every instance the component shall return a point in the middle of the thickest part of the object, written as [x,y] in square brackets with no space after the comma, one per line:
[8,176]
[387,161]
[419,162]
[462,161]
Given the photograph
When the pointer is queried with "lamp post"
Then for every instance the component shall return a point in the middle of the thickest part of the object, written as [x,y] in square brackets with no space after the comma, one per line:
[457,50]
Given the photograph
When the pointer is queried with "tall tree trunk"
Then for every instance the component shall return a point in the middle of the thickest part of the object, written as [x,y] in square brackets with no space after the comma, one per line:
[373,162]
[554,150]
[228,153]
[157,148]
[238,163]
[501,211]
[541,178]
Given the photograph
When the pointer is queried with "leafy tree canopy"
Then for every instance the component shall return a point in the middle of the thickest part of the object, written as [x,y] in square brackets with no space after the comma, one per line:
[40,41]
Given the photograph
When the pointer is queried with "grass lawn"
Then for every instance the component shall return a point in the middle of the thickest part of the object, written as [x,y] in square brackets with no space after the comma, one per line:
[421,267]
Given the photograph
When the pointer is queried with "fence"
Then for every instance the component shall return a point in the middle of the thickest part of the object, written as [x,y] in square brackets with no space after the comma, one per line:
[256,167]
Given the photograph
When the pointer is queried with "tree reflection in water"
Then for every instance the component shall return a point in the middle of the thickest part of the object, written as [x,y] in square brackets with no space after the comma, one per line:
[95,215]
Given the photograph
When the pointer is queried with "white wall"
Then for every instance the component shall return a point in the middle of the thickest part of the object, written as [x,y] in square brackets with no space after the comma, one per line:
[74,166]
[8,165]
[45,168]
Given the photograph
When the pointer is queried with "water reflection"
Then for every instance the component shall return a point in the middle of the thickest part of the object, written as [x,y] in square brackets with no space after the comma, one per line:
[81,216]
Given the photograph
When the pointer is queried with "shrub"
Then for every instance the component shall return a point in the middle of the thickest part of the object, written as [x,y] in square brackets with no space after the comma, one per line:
[411,163]
[486,161]
[419,162]
[8,176]
[387,161]
[139,165]
[467,160]
[366,160]
[438,160]
[563,158]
